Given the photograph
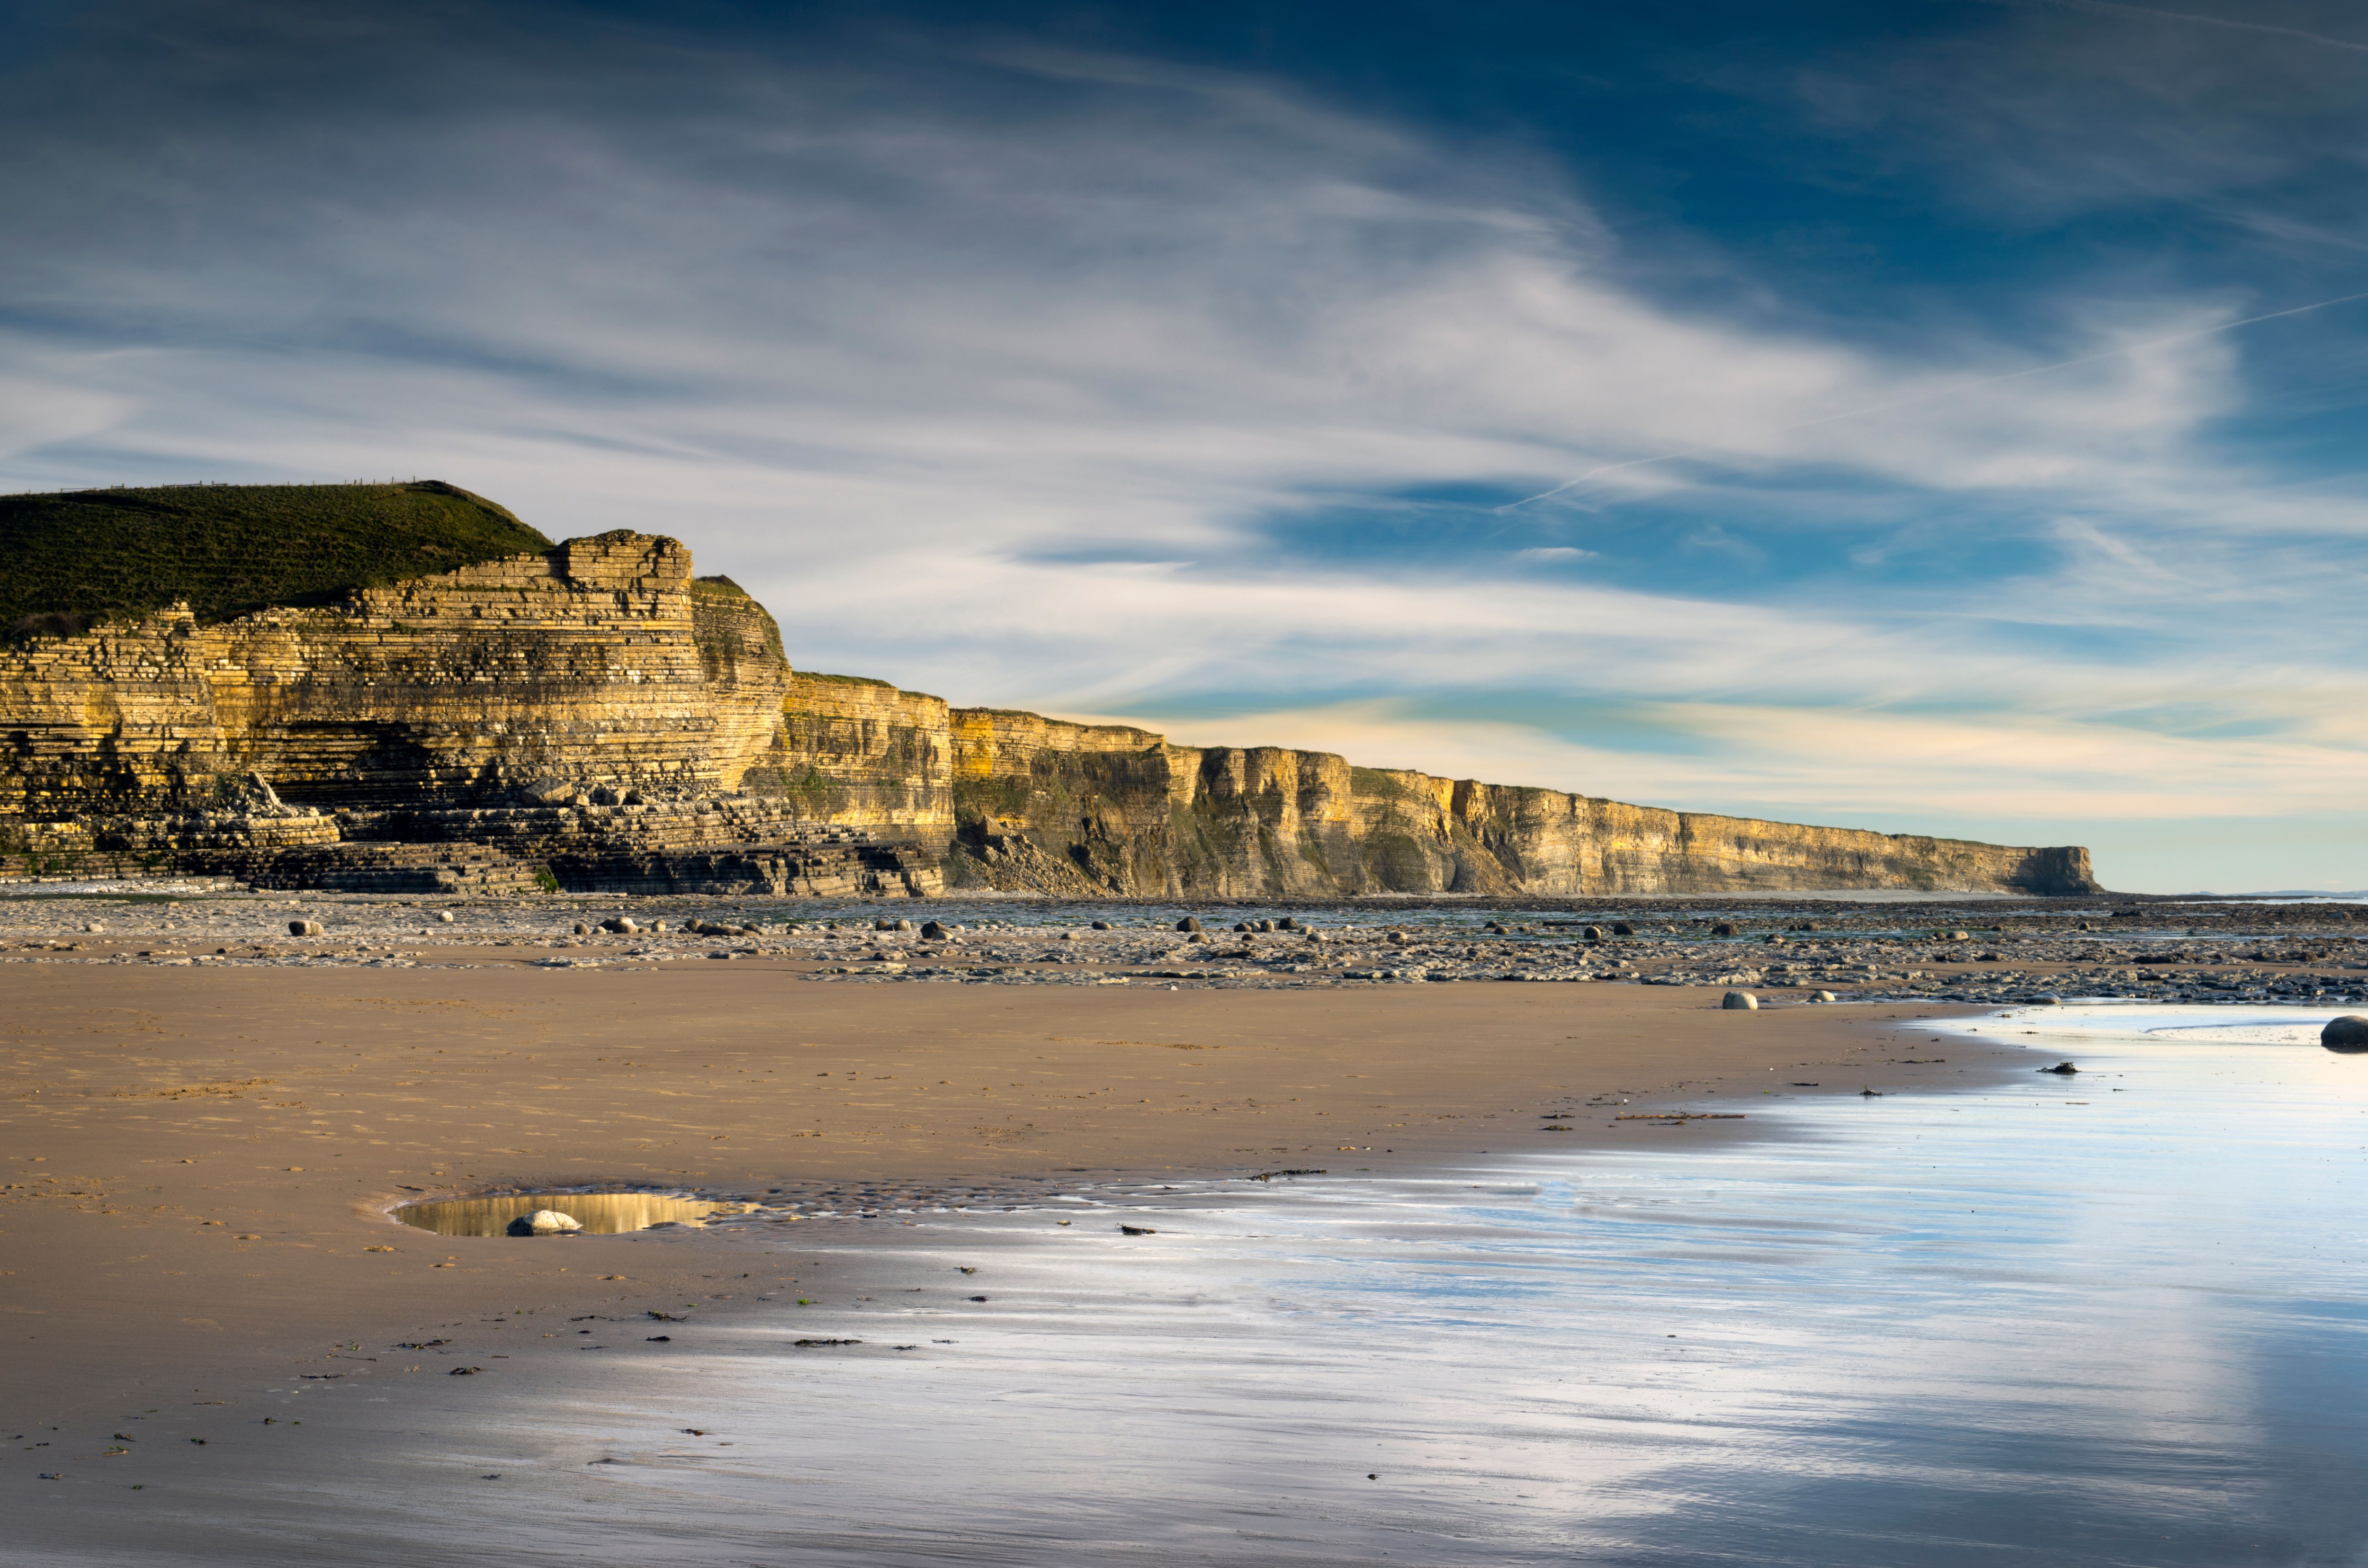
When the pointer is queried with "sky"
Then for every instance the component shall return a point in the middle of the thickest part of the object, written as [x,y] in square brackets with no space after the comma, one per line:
[1935,417]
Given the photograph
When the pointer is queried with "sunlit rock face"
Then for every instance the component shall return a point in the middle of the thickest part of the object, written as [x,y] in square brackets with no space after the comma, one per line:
[535,677]
[587,716]
[596,717]
[1081,810]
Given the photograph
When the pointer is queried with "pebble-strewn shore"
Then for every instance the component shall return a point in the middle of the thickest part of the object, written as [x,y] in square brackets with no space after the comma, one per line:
[1812,949]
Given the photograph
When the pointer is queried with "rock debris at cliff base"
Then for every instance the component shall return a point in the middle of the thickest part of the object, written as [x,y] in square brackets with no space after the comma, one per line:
[1983,951]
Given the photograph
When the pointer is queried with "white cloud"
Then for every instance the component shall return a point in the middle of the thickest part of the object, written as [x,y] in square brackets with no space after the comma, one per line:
[916,365]
[1919,771]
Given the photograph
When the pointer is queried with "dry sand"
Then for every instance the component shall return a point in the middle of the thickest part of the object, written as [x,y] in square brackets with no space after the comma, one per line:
[200,1161]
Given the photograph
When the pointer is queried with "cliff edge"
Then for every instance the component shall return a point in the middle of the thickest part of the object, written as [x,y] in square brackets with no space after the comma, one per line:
[592,715]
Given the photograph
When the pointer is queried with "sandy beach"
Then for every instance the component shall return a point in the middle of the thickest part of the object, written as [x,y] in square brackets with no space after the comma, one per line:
[200,1163]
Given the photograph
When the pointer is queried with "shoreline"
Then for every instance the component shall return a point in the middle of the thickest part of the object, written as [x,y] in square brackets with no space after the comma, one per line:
[1203,1363]
[202,1161]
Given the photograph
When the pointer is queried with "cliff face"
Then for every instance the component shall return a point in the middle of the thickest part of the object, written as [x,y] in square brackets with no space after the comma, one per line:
[581,662]
[585,716]
[594,716]
[860,754]
[1084,809]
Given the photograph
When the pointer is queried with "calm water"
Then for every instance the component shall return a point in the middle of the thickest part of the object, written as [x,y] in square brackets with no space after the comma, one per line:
[600,1213]
[2113,1319]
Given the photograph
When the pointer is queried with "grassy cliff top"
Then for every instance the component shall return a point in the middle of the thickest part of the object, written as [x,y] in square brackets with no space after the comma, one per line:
[68,559]
[848,680]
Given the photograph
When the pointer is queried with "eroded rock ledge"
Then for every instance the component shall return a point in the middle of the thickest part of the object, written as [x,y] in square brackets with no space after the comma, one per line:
[594,718]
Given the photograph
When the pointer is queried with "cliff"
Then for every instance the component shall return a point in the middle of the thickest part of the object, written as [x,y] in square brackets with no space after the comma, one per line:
[1085,810]
[592,715]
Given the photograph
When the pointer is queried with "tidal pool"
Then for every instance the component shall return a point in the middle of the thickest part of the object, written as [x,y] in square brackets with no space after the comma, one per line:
[601,1214]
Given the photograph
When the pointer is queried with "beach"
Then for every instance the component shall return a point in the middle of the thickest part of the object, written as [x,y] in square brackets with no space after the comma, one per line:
[1984,1310]
[200,1163]
[1056,1247]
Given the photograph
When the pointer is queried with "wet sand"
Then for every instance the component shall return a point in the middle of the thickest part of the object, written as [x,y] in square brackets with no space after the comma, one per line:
[200,1162]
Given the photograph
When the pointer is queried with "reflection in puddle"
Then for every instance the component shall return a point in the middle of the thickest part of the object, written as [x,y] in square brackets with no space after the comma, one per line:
[601,1214]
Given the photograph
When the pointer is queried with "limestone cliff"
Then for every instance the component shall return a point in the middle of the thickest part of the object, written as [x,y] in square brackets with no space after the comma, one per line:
[860,754]
[582,662]
[592,715]
[1093,810]
[585,715]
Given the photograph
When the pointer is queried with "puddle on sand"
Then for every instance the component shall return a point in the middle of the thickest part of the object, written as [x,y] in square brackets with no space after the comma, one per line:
[601,1214]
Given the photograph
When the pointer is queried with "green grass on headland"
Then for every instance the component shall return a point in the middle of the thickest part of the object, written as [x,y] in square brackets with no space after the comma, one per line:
[69,560]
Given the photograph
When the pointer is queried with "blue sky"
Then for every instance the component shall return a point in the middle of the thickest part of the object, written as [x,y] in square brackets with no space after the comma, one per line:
[1851,414]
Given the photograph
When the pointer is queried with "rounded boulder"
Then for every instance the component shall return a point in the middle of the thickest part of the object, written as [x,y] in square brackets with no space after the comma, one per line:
[545,1223]
[1739,1002]
[2348,1034]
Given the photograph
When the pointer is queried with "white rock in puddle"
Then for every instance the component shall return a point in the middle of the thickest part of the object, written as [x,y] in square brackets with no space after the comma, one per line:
[545,1223]
[1739,1002]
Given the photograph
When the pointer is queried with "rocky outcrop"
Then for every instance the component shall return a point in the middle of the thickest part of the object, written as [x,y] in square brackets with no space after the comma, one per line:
[586,663]
[594,717]
[584,717]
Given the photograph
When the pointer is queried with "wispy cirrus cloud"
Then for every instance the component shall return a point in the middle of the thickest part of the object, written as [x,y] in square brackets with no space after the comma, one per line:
[1119,386]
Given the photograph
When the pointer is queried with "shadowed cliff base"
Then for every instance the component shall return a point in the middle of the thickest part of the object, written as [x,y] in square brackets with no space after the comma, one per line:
[591,716]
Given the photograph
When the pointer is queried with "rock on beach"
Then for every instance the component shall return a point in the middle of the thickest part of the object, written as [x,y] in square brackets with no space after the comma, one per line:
[545,1223]
[2347,1034]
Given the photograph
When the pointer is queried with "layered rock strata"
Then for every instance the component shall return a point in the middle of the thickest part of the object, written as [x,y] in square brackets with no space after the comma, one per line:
[594,716]
[584,717]
[1076,810]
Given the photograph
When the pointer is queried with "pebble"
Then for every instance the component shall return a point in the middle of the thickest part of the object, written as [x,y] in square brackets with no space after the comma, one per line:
[2221,965]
